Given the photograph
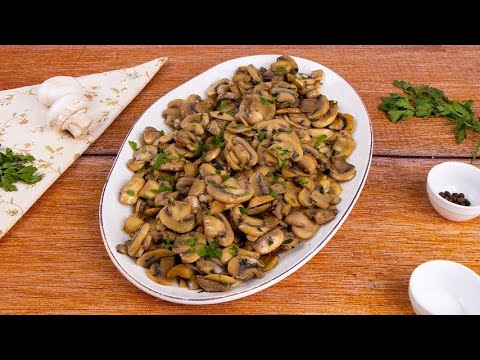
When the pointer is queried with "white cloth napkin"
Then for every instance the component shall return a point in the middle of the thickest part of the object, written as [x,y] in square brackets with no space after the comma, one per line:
[24,129]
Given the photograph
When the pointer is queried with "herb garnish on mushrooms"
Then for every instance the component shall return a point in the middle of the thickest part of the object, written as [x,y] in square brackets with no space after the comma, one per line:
[246,175]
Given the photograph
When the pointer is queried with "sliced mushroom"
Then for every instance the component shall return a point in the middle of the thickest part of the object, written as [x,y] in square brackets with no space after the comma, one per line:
[139,241]
[341,170]
[211,285]
[327,118]
[177,216]
[150,257]
[240,154]
[269,242]
[230,192]
[129,194]
[314,107]
[343,145]
[154,274]
[180,270]
[210,267]
[301,225]
[258,184]
[217,227]
[270,261]
[321,216]
[260,204]
[245,268]
[254,110]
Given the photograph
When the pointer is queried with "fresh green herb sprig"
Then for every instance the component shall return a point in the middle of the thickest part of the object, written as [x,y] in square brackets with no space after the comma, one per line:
[14,168]
[425,102]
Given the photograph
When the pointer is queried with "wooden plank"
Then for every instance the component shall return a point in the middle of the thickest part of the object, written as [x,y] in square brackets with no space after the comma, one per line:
[54,262]
[369,69]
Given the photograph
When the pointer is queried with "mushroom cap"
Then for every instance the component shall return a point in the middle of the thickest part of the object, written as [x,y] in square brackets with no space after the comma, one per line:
[64,107]
[56,87]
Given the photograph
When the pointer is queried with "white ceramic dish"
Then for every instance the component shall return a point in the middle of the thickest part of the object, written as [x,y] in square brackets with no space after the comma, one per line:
[442,287]
[455,177]
[113,213]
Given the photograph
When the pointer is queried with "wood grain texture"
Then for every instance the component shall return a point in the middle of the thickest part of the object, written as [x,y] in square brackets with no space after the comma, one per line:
[54,262]
[369,69]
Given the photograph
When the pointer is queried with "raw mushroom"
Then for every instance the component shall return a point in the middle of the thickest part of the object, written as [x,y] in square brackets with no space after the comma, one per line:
[70,113]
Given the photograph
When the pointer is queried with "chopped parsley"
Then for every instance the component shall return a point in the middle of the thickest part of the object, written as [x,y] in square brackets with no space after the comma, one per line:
[280,70]
[131,192]
[133,145]
[266,101]
[223,104]
[243,210]
[167,243]
[210,251]
[229,187]
[160,159]
[262,136]
[273,194]
[233,250]
[319,141]
[303,181]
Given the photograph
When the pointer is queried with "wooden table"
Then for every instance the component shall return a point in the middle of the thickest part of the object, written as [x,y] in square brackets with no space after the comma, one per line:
[53,260]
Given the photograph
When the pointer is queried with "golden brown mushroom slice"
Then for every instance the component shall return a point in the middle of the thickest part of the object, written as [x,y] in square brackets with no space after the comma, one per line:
[321,216]
[217,227]
[269,242]
[150,257]
[327,118]
[140,241]
[341,170]
[231,191]
[255,108]
[239,154]
[212,285]
[154,274]
[301,225]
[129,194]
[245,268]
[177,216]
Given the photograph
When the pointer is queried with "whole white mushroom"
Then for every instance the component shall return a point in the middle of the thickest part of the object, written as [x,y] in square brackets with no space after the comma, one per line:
[54,88]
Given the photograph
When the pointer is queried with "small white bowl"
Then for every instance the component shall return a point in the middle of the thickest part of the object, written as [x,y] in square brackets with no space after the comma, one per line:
[455,177]
[442,287]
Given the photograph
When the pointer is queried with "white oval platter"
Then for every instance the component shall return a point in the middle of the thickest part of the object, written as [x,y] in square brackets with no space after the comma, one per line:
[113,213]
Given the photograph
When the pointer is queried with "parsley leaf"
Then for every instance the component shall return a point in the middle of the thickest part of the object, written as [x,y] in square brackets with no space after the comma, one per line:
[319,141]
[133,145]
[210,251]
[243,210]
[280,70]
[131,192]
[160,159]
[167,243]
[262,136]
[303,181]
[266,101]
[273,194]
[14,168]
[233,250]
[424,102]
